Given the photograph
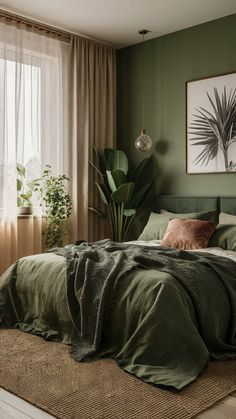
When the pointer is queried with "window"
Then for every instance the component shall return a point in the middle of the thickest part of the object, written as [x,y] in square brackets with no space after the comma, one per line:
[21,120]
[31,119]
[21,134]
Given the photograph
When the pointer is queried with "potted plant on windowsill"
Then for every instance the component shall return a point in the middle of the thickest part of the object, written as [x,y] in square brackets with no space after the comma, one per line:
[24,191]
[57,206]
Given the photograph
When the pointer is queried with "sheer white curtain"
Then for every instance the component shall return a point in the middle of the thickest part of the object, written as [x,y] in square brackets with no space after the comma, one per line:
[32,129]
[57,100]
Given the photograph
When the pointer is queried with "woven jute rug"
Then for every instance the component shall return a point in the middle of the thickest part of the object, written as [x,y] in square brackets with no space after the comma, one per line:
[44,374]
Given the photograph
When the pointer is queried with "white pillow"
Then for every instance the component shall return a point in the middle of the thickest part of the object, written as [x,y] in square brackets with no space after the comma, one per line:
[225,218]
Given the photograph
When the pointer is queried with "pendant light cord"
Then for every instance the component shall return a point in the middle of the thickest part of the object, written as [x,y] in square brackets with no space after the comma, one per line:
[142,32]
[142,76]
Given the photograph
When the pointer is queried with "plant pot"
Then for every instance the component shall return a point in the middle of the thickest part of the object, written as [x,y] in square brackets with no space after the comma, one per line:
[25,210]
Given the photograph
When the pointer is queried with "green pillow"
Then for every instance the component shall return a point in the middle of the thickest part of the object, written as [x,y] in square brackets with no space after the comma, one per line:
[224,237]
[225,218]
[157,223]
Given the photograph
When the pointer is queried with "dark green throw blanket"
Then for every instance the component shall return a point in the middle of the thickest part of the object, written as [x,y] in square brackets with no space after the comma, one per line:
[94,271]
[160,313]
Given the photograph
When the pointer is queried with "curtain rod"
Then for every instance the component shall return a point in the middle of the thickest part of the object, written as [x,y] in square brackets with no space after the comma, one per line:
[34,24]
[65,35]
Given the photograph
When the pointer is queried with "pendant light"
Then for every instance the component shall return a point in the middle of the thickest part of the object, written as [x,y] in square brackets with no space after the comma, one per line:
[143,142]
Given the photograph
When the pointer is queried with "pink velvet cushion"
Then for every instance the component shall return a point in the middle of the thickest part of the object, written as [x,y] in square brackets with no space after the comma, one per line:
[188,234]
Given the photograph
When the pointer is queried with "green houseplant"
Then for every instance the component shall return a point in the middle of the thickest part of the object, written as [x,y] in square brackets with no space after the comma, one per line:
[57,206]
[121,189]
[24,191]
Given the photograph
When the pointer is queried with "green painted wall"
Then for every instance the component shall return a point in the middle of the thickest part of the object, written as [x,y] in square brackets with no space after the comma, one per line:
[170,61]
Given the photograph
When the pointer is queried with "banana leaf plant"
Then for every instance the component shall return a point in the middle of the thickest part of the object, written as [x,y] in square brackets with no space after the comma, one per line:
[121,189]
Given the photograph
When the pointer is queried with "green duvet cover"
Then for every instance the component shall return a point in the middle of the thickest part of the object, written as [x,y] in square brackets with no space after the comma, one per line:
[150,322]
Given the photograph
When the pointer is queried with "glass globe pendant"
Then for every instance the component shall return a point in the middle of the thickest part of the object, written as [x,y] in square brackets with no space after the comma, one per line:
[143,142]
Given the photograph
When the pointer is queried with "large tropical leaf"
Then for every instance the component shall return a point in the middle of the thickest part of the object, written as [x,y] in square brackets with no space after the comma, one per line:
[124,193]
[98,212]
[111,181]
[107,153]
[103,192]
[96,168]
[118,161]
[115,179]
[139,197]
[102,163]
[139,170]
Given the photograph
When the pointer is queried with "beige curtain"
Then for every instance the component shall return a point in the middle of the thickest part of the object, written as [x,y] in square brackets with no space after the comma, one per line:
[18,238]
[64,102]
[93,123]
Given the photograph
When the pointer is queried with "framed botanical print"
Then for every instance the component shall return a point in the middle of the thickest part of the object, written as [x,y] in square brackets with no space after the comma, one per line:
[211,124]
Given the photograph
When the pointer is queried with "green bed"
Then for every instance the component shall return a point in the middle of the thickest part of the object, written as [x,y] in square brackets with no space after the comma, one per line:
[160,313]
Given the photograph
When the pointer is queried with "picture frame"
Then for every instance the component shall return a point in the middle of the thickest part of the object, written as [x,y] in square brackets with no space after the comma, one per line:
[211,124]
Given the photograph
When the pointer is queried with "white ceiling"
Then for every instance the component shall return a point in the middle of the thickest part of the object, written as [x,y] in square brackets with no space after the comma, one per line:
[117,21]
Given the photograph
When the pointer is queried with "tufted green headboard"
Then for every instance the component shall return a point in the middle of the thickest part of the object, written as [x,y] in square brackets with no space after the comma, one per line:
[228,204]
[185,204]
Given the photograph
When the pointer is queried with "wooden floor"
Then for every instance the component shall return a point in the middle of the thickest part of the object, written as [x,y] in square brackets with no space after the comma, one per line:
[12,407]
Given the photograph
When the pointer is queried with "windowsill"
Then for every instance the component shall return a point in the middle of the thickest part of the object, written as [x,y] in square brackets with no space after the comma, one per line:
[28,216]
[23,217]
[37,213]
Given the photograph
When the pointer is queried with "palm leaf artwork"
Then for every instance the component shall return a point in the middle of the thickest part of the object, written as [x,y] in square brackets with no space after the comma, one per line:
[215,129]
[122,191]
